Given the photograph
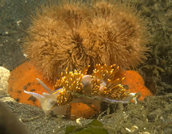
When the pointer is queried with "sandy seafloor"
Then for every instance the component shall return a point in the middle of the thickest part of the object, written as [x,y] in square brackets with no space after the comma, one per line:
[152,116]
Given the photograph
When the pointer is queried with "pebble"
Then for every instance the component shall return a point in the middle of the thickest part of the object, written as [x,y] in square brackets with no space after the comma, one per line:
[7,99]
[132,129]
[4,75]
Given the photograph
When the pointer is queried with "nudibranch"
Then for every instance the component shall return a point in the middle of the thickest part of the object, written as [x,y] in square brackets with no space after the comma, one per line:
[76,93]
[104,84]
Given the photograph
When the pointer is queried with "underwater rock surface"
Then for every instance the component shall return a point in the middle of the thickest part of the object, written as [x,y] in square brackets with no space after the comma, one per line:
[152,115]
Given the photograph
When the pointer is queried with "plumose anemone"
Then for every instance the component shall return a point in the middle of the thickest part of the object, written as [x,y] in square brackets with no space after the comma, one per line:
[74,35]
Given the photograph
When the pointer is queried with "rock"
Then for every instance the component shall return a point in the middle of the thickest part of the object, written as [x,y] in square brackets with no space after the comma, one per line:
[4,75]
[9,124]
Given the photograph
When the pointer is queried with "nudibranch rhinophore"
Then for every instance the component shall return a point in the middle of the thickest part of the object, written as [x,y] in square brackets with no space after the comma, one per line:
[104,84]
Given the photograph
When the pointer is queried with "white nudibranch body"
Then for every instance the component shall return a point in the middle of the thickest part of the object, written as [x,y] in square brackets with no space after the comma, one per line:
[47,100]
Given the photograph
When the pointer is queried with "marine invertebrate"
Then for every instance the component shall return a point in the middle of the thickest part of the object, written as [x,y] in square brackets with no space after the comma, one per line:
[138,84]
[71,86]
[54,43]
[23,78]
[75,35]
[116,34]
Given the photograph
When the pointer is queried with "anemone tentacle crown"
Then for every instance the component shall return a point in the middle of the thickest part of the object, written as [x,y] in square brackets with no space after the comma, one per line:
[78,34]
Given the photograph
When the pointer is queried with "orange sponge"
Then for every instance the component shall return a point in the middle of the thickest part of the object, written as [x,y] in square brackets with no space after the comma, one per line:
[136,83]
[24,78]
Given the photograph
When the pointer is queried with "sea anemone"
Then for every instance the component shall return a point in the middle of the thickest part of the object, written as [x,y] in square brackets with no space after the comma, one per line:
[53,42]
[116,34]
[74,35]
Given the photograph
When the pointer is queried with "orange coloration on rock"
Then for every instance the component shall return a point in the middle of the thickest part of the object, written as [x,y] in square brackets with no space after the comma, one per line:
[136,83]
[83,110]
[24,78]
